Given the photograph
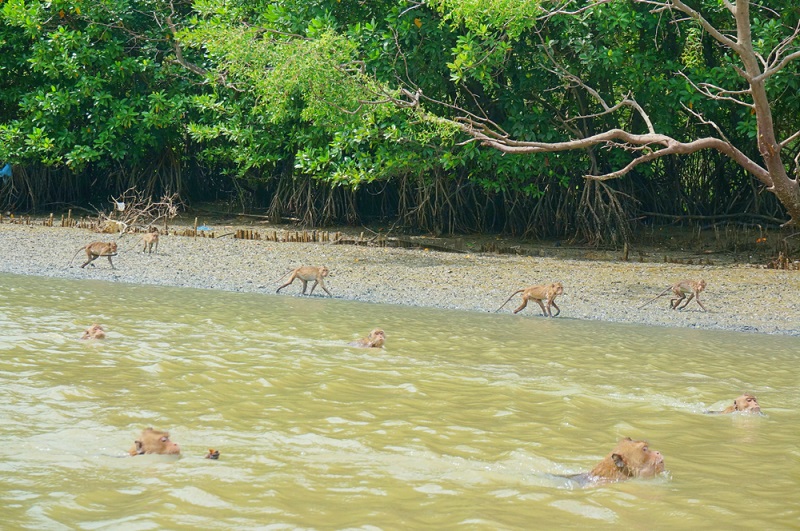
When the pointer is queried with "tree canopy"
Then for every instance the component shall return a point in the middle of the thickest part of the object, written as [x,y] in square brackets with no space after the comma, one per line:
[455,115]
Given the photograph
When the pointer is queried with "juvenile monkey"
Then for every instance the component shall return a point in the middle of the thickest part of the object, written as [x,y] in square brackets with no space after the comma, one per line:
[629,459]
[539,293]
[150,239]
[680,290]
[746,403]
[94,332]
[212,454]
[375,339]
[154,442]
[306,274]
[95,250]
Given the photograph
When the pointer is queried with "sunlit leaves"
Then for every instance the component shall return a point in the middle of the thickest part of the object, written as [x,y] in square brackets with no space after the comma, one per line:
[513,16]
[692,55]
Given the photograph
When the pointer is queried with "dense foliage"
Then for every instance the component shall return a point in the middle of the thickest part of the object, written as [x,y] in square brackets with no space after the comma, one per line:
[296,107]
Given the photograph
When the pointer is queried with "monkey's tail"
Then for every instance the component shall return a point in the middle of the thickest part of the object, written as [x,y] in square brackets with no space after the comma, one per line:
[74,255]
[654,298]
[283,276]
[508,299]
[134,244]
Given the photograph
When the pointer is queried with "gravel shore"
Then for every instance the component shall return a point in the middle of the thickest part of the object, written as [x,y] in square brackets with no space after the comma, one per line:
[738,297]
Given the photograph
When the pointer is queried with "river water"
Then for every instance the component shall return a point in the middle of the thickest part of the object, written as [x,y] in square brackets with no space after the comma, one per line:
[463,420]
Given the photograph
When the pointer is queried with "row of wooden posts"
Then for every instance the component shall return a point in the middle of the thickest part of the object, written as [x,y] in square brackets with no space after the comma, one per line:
[304,236]
[317,236]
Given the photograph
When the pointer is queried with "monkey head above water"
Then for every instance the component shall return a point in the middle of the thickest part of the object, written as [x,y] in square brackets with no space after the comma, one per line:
[94,332]
[375,339]
[154,442]
[629,459]
[746,403]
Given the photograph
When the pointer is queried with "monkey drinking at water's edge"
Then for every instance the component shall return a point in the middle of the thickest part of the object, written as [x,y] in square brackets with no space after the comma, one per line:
[539,293]
[680,290]
[306,274]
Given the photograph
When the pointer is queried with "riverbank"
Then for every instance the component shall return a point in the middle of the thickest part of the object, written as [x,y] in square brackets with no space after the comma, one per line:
[740,297]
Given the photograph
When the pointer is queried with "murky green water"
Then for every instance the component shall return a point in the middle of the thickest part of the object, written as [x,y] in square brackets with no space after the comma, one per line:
[463,420]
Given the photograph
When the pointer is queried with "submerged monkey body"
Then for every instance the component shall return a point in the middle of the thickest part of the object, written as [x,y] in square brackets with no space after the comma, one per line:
[375,339]
[746,403]
[154,442]
[94,332]
[628,460]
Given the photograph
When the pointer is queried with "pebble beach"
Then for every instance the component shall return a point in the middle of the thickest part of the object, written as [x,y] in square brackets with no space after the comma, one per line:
[739,297]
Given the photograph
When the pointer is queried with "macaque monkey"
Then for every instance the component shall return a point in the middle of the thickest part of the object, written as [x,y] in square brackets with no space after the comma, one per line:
[95,250]
[539,293]
[680,290]
[630,459]
[306,274]
[150,239]
[375,339]
[746,403]
[94,332]
[154,442]
[212,454]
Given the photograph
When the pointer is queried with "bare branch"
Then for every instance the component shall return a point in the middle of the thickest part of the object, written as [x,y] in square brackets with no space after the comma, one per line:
[563,10]
[671,146]
[730,7]
[774,69]
[627,101]
[703,120]
[696,16]
[719,92]
[789,140]
[133,207]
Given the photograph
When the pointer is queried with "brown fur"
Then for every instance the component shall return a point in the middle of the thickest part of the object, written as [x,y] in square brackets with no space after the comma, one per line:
[539,293]
[95,250]
[680,290]
[375,339]
[746,403]
[154,442]
[629,459]
[306,274]
[150,239]
[94,332]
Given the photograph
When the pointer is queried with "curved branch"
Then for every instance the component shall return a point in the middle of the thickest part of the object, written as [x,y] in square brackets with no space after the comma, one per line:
[711,30]
[671,147]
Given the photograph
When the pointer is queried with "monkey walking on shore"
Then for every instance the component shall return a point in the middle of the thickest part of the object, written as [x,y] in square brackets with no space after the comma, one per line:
[539,293]
[307,274]
[95,250]
[681,289]
[150,239]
